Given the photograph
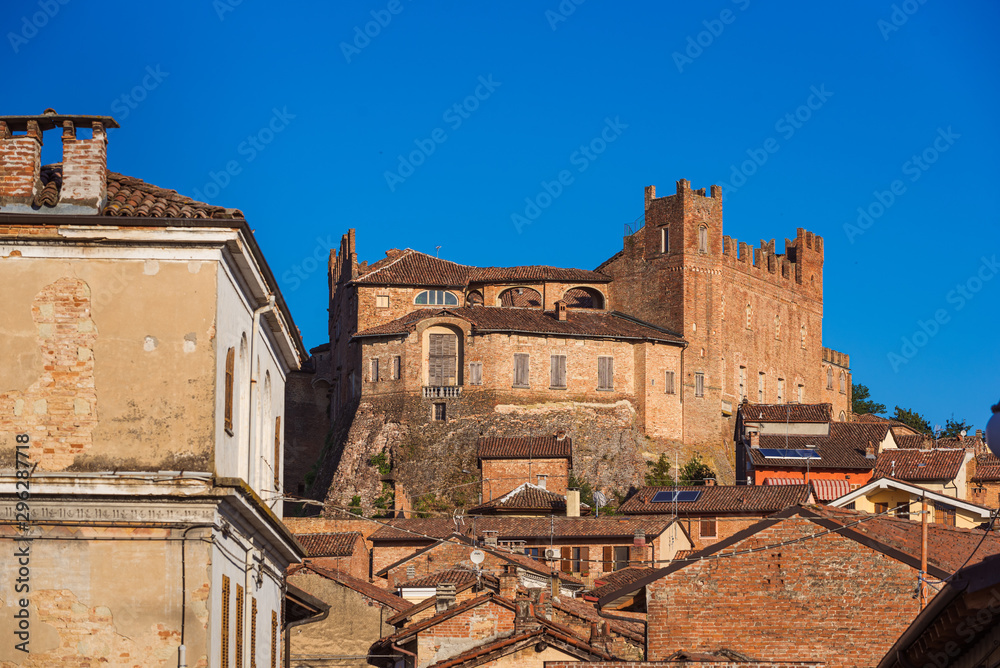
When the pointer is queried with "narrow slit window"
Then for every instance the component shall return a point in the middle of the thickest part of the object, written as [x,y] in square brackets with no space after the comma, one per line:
[699,385]
[668,383]
[230,363]
[664,240]
[374,369]
[397,367]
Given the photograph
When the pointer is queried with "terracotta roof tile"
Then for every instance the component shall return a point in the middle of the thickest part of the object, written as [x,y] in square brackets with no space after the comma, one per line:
[360,586]
[129,196]
[521,298]
[616,580]
[787,412]
[524,447]
[844,448]
[911,464]
[921,441]
[517,528]
[455,576]
[719,499]
[485,319]
[634,629]
[987,468]
[329,544]
[527,497]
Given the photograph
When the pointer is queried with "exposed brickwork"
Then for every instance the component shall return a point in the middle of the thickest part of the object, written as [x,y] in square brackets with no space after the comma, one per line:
[59,409]
[826,599]
[503,475]
[85,167]
[20,162]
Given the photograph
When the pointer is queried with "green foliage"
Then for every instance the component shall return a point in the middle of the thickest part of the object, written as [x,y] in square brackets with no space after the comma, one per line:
[355,505]
[427,504]
[953,427]
[658,474]
[912,419]
[586,489]
[695,471]
[860,402]
[381,462]
[385,502]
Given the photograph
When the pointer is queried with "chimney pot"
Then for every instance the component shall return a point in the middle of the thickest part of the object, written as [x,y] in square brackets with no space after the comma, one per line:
[445,596]
[754,439]
[542,480]
[561,310]
[573,503]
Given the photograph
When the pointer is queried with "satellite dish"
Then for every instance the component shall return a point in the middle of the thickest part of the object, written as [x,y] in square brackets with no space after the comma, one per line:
[962,433]
[600,500]
[477,557]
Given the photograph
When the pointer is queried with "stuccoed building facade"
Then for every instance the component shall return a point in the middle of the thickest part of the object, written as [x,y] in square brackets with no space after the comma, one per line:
[145,350]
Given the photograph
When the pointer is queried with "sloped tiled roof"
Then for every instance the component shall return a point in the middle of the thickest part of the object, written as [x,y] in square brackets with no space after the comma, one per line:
[518,528]
[524,447]
[823,490]
[129,196]
[329,544]
[367,589]
[878,419]
[485,319]
[921,441]
[616,580]
[844,448]
[633,629]
[527,497]
[910,464]
[410,267]
[987,468]
[719,499]
[455,576]
[787,412]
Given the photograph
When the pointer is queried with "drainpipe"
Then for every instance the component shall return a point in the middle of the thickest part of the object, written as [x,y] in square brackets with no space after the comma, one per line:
[269,306]
[288,634]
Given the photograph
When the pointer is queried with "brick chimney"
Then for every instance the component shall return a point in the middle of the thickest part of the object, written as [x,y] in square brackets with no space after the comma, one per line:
[754,439]
[560,310]
[85,168]
[20,164]
[709,482]
[561,435]
[572,503]
[637,553]
[870,451]
[508,582]
[543,480]
[490,538]
[444,597]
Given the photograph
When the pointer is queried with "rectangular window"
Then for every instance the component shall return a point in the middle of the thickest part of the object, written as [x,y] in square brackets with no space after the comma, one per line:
[781,390]
[239,625]
[702,239]
[581,559]
[521,370]
[760,388]
[230,362]
[397,367]
[253,632]
[608,559]
[531,552]
[709,529]
[373,370]
[225,622]
[699,385]
[801,393]
[442,361]
[566,559]
[664,240]
[944,514]
[381,301]
[903,510]
[277,453]
[668,383]
[881,508]
[440,412]
[743,383]
[475,373]
[557,371]
[621,557]
[605,373]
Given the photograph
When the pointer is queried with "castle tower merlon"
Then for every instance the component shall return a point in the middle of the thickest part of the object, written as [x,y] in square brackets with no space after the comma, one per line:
[650,196]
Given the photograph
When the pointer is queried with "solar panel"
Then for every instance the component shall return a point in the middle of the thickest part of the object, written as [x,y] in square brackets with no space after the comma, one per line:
[782,453]
[683,496]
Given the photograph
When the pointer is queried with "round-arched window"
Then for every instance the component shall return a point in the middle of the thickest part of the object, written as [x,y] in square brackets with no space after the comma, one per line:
[436,298]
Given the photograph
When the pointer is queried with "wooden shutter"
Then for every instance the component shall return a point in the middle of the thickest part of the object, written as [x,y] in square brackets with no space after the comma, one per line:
[608,561]
[699,385]
[557,371]
[669,384]
[520,370]
[374,369]
[397,363]
[605,373]
[224,650]
[566,564]
[449,361]
[253,632]
[277,453]
[476,373]
[239,625]
[435,368]
[230,361]
[585,561]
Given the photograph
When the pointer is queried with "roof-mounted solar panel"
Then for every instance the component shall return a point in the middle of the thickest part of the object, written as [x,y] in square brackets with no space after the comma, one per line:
[783,453]
[682,496]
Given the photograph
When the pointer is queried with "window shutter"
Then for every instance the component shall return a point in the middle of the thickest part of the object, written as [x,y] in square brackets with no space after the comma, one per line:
[566,565]
[608,562]
[397,363]
[605,373]
[557,372]
[374,370]
[669,383]
[230,361]
[584,561]
[521,370]
[476,373]
[449,360]
[699,385]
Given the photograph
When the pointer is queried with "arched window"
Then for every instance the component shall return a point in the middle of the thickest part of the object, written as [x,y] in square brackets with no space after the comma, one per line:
[474,298]
[702,239]
[843,416]
[583,298]
[829,378]
[843,382]
[436,298]
[749,315]
[521,298]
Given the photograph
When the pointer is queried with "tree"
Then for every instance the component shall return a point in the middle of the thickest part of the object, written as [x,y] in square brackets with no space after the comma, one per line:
[860,403]
[658,474]
[695,471]
[586,489]
[912,419]
[952,428]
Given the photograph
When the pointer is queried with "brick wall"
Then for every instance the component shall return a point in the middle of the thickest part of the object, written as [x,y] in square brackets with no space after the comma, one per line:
[825,599]
[463,631]
[20,162]
[985,494]
[503,475]
[678,664]
[724,528]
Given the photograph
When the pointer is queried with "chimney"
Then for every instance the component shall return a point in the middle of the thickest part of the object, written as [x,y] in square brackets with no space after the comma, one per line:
[709,482]
[508,582]
[755,439]
[20,164]
[542,480]
[85,168]
[554,583]
[561,435]
[444,597]
[490,538]
[560,310]
[637,555]
[870,450]
[524,618]
[961,435]
[573,503]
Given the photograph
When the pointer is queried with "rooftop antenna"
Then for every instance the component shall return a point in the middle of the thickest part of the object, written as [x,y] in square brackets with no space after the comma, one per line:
[437,251]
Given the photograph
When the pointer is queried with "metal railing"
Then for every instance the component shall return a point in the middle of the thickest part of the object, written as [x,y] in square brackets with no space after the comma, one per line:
[635,225]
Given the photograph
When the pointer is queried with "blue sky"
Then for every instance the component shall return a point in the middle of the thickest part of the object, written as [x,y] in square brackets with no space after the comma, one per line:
[310,116]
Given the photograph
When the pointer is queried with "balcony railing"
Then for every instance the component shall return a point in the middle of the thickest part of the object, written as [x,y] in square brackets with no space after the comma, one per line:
[635,225]
[442,392]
